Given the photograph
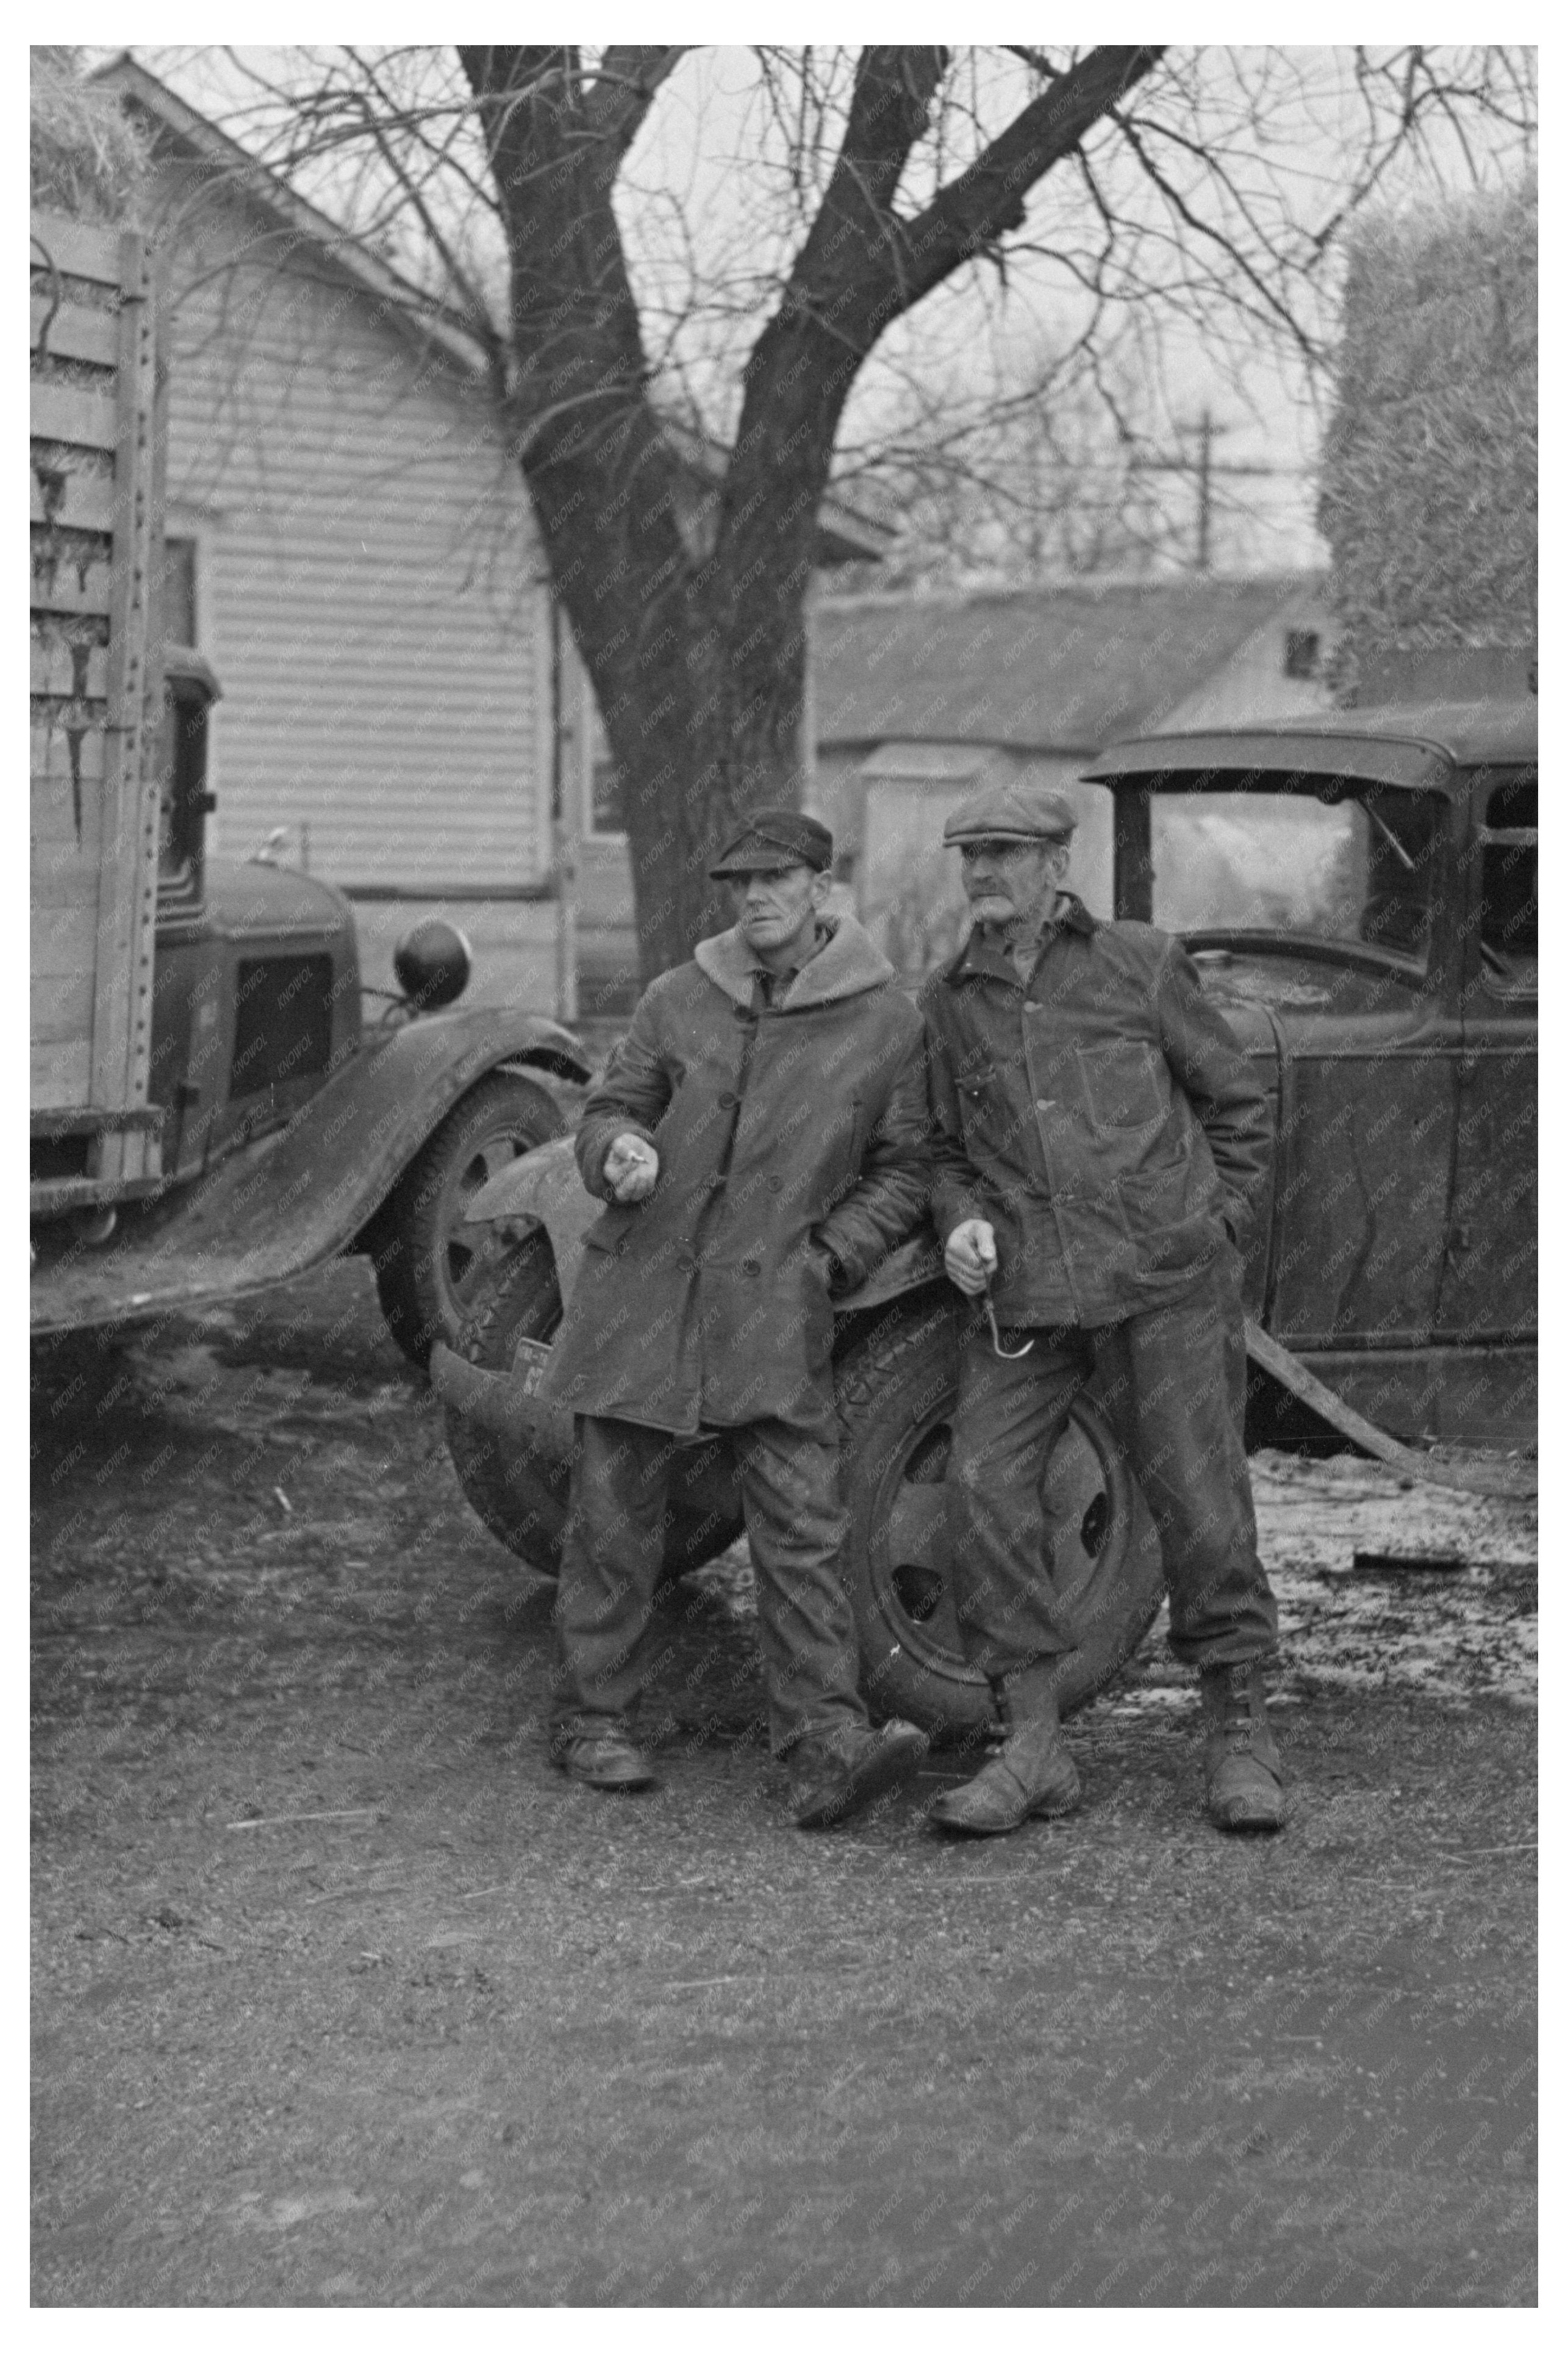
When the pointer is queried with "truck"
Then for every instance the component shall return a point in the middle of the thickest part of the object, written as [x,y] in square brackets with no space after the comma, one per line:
[212,1109]
[1358,892]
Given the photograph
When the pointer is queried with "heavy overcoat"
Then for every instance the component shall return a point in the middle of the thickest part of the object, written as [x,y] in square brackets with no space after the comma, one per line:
[787,1135]
[1099,1114]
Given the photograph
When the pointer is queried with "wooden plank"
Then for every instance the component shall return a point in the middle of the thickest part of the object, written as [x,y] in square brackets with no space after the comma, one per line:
[62,1007]
[77,248]
[68,666]
[52,832]
[62,931]
[62,939]
[61,1073]
[127,1155]
[88,500]
[61,880]
[51,761]
[57,838]
[75,332]
[89,1119]
[67,412]
[128,851]
[72,593]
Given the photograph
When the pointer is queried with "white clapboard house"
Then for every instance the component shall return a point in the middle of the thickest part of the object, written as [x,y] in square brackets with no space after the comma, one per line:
[403,714]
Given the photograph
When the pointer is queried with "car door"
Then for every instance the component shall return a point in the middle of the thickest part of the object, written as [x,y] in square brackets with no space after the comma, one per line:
[1488,1287]
[1325,897]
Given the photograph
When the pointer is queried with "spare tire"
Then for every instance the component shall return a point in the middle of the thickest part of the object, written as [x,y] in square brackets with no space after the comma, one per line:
[897,1390]
[521,1490]
[428,1258]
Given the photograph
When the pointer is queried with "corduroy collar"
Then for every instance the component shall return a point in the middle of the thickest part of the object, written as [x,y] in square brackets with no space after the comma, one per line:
[848,964]
[977,959]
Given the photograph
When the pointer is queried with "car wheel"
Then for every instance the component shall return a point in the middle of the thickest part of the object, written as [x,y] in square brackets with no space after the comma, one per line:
[521,1490]
[428,1258]
[896,1394]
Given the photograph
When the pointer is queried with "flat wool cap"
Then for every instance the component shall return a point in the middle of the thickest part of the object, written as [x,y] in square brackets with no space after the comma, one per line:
[772,839]
[1012,813]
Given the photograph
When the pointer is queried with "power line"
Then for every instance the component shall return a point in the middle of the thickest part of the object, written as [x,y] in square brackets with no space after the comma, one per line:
[1205,467]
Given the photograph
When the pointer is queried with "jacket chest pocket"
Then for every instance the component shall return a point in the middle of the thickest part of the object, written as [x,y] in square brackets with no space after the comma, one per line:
[1125,1083]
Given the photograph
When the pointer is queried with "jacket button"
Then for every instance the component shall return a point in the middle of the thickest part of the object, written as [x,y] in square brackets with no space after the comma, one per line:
[686,1261]
[776,1184]
[750,1266]
[726,1102]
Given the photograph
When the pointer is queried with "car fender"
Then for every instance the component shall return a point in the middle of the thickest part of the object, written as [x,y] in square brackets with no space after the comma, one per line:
[544,1187]
[274,1209]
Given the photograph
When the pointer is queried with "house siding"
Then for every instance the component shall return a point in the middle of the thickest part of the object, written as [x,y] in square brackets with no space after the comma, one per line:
[372,589]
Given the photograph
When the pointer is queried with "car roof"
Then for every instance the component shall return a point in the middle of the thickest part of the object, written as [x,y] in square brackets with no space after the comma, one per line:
[1394,742]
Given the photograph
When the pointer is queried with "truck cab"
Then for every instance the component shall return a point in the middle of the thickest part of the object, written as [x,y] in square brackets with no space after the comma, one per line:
[207,1114]
[256,969]
[1358,893]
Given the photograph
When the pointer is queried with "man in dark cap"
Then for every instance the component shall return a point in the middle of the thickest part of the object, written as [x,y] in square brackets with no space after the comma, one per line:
[1099,1138]
[759,1137]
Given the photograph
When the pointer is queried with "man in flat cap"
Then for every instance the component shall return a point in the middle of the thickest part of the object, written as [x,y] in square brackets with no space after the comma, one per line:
[758,1138]
[1099,1137]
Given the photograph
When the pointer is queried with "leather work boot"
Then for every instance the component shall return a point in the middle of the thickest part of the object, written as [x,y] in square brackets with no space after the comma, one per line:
[610,1759]
[835,1774]
[1032,1776]
[1246,1780]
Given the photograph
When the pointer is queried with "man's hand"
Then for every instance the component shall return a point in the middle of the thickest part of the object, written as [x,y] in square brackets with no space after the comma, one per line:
[631,1168]
[970,1257]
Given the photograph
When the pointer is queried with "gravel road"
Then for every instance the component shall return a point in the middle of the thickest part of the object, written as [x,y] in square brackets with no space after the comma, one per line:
[342,1997]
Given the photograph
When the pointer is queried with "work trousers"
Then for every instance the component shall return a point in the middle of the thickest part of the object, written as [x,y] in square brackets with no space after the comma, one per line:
[613,1555]
[1174,1380]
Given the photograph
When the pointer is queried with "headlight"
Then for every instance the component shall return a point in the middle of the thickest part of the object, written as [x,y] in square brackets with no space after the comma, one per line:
[432,964]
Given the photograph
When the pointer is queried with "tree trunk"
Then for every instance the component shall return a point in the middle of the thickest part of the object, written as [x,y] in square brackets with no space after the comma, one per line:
[697,651]
[700,679]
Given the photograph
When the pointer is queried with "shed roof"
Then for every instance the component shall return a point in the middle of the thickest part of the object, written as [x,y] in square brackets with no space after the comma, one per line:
[1065,668]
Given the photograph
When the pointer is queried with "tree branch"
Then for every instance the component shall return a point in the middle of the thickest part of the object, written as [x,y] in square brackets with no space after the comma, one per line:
[972,211]
[616,103]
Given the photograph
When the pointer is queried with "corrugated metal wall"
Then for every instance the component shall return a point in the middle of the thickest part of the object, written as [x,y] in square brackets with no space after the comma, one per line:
[369,576]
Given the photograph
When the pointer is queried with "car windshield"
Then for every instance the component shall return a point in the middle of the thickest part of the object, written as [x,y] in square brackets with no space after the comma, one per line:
[1325,857]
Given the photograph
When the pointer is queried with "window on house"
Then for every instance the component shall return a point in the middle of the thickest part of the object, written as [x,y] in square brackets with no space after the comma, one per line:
[605,813]
[1302,648]
[1509,921]
[179,592]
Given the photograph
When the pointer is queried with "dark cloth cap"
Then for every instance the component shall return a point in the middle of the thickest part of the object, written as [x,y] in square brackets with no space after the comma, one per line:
[1012,813]
[772,839]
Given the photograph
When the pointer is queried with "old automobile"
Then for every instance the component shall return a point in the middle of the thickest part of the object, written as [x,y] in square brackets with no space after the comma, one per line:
[211,1111]
[1359,894]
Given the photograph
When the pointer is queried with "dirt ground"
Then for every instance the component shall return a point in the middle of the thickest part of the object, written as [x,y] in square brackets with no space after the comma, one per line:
[342,1997]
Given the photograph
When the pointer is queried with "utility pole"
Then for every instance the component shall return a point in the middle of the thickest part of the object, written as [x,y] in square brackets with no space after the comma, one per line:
[1205,466]
[1205,484]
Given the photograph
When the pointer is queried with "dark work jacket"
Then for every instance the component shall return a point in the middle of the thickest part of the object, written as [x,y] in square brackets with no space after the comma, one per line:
[784,1134]
[1102,1117]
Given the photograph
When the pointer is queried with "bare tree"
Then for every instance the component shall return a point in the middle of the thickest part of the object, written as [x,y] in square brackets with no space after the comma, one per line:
[1145,181]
